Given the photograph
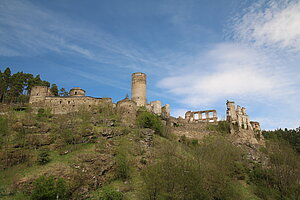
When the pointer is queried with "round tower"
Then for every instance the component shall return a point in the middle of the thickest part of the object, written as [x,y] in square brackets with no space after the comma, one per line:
[77,92]
[138,89]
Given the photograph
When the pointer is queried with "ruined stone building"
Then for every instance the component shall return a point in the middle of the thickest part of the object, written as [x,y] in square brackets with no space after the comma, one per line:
[41,97]
[201,116]
[139,99]
[238,116]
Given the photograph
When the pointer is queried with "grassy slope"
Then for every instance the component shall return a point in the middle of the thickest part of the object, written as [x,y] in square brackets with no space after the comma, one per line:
[131,187]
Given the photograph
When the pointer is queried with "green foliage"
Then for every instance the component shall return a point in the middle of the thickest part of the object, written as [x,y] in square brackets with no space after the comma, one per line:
[292,136]
[222,127]
[281,180]
[62,92]
[54,89]
[122,164]
[203,171]
[14,88]
[3,130]
[109,193]
[47,188]
[148,120]
[43,158]
[43,113]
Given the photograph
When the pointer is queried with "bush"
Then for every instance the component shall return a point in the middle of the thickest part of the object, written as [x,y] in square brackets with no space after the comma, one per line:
[122,162]
[47,188]
[109,193]
[149,120]
[222,127]
[43,113]
[43,158]
[3,130]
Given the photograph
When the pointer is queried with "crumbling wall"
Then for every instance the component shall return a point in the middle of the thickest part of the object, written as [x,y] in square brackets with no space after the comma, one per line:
[128,110]
[63,105]
[255,126]
[230,113]
[38,94]
[41,97]
[238,116]
[156,107]
[201,116]
[165,111]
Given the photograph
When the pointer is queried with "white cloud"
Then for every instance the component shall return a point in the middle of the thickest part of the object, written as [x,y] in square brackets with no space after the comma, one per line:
[180,112]
[234,70]
[270,23]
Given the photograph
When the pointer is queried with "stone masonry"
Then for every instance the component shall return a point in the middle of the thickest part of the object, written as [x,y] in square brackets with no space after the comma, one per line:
[201,116]
[238,116]
[41,97]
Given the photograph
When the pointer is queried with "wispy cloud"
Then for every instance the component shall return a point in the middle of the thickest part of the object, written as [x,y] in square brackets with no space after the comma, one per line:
[234,70]
[270,23]
[259,66]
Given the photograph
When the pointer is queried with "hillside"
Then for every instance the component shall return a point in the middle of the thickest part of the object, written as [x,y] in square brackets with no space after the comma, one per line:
[93,155]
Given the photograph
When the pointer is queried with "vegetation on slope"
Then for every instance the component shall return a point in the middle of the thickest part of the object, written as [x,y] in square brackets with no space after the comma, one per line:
[94,156]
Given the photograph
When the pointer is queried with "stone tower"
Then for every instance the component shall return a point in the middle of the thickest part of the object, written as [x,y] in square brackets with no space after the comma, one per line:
[231,113]
[38,94]
[77,92]
[138,89]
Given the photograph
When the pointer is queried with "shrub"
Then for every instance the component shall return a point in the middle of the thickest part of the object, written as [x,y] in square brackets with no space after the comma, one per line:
[149,120]
[43,113]
[47,188]
[222,127]
[43,158]
[3,130]
[109,193]
[122,162]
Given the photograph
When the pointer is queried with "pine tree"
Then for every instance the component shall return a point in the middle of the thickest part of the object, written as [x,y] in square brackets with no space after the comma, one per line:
[54,89]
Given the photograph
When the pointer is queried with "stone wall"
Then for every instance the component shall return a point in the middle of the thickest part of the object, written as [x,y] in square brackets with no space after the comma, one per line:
[39,93]
[255,126]
[63,105]
[165,111]
[201,116]
[156,107]
[238,116]
[41,97]
[128,110]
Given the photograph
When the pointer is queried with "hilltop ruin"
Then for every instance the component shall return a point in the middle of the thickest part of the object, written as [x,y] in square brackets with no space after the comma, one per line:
[41,97]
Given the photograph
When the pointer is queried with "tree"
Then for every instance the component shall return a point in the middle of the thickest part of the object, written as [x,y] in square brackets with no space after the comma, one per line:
[4,83]
[54,89]
[16,87]
[63,92]
[47,188]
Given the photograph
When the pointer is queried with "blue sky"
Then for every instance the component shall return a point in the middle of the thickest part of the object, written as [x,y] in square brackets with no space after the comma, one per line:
[197,54]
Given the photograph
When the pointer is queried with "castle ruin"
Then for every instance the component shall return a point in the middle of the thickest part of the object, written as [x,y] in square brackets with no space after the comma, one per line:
[201,116]
[238,116]
[41,97]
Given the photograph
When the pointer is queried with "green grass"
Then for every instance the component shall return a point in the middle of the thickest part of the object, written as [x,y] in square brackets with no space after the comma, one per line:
[32,169]
[245,191]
